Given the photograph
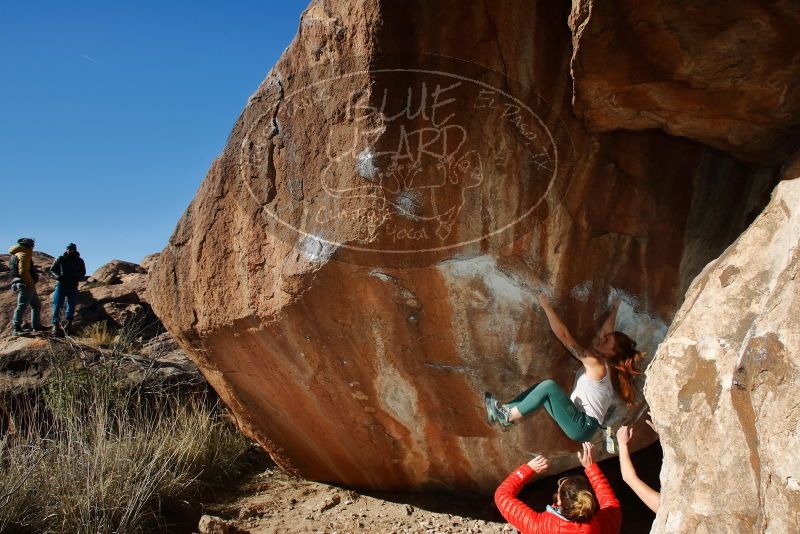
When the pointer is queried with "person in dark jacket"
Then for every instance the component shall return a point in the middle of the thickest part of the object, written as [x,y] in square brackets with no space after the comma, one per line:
[68,270]
[25,276]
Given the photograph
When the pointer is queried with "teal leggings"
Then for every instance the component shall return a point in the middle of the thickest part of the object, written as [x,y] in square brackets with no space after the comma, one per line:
[577,425]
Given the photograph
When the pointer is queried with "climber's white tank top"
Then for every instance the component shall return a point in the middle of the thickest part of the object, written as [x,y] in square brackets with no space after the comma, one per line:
[593,396]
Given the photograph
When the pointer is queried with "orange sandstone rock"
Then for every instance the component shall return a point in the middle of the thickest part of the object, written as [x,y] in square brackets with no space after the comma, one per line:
[361,262]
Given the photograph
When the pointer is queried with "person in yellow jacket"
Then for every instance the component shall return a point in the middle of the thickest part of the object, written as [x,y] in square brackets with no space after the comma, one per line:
[24,281]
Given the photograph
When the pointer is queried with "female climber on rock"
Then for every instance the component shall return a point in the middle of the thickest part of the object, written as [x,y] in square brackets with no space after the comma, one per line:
[580,506]
[609,367]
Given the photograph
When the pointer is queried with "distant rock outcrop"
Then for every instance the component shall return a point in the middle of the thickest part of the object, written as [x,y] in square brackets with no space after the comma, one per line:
[115,294]
[27,365]
[114,271]
[361,262]
[145,356]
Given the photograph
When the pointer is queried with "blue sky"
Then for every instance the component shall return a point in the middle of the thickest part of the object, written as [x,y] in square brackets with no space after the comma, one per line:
[111,113]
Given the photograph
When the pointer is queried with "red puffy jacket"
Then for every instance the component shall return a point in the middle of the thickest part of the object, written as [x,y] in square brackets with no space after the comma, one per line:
[607,520]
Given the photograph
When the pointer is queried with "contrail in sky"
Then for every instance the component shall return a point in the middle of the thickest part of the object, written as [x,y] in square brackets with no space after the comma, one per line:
[90,58]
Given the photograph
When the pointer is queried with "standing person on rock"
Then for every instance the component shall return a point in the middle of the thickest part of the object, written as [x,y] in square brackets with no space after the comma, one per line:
[68,270]
[24,278]
[609,368]
[580,507]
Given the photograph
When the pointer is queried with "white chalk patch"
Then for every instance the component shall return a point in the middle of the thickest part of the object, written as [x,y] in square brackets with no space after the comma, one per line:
[381,276]
[624,296]
[396,394]
[365,164]
[315,249]
[581,292]
[500,285]
[682,341]
[408,296]
[408,203]
[709,348]
[647,330]
[727,382]
[674,519]
[793,484]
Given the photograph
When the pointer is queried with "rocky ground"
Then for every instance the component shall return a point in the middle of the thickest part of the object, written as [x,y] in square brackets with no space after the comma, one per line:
[27,363]
[273,501]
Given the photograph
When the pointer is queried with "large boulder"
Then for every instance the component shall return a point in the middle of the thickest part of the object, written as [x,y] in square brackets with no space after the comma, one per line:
[723,385]
[361,262]
[724,72]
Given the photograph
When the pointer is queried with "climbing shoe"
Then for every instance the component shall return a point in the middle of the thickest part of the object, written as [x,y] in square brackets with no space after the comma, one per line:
[57,331]
[496,412]
[40,328]
[17,330]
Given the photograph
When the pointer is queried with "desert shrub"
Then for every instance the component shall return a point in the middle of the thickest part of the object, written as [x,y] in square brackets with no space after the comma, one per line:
[92,455]
[99,335]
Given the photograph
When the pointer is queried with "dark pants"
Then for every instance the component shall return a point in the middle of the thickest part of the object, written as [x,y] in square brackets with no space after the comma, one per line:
[27,296]
[64,292]
[576,424]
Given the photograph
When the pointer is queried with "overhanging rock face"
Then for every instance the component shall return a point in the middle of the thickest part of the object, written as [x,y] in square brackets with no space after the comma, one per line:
[361,262]
[723,72]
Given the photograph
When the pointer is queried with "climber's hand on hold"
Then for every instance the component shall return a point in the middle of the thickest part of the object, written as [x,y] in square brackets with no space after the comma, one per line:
[624,435]
[542,299]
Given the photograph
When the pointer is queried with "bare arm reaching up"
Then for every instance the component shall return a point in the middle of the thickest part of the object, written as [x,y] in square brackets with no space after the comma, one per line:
[594,368]
[611,320]
[560,329]
[648,495]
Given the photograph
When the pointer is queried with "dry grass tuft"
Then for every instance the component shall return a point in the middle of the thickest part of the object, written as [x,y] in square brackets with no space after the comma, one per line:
[90,456]
[98,335]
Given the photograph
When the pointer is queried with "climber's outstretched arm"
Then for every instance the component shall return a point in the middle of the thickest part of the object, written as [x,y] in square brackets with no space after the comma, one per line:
[611,320]
[561,331]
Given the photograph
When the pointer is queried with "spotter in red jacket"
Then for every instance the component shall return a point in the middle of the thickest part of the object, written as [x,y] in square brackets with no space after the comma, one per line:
[607,520]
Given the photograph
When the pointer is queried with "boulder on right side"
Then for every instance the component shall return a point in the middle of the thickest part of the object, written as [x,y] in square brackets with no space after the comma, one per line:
[723,385]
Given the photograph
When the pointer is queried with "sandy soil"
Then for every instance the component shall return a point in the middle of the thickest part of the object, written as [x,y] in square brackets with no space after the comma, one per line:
[275,502]
[272,501]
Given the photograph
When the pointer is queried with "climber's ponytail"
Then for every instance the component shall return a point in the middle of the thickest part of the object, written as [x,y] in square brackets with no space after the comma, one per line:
[624,366]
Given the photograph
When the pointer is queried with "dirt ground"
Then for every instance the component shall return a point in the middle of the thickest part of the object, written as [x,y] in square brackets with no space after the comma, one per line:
[272,501]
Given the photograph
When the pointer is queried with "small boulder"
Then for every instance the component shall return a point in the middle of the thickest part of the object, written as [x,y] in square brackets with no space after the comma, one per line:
[121,313]
[149,261]
[112,272]
[117,293]
[210,524]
